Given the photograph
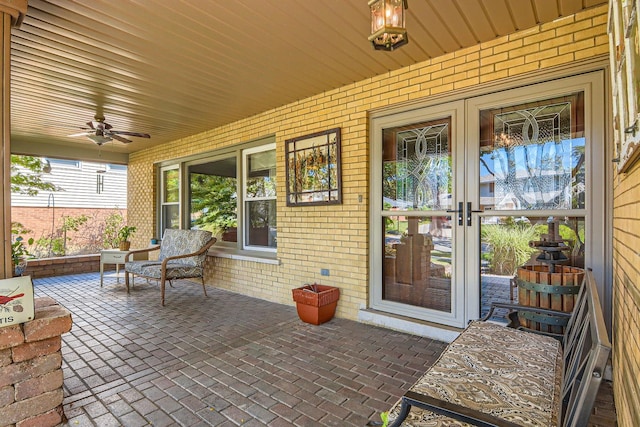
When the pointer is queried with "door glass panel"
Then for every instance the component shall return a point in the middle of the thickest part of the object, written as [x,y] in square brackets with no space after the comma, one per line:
[532,155]
[417,166]
[532,160]
[418,261]
[510,242]
[417,175]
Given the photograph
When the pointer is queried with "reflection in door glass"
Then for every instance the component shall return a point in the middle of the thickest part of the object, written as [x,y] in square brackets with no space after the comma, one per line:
[510,244]
[417,261]
[417,166]
[532,156]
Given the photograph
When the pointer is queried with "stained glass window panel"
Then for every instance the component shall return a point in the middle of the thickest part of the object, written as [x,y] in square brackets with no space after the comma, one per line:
[417,167]
[532,156]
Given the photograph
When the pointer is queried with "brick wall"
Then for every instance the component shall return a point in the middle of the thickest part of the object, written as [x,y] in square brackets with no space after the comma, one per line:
[336,237]
[51,267]
[42,220]
[626,296]
[31,368]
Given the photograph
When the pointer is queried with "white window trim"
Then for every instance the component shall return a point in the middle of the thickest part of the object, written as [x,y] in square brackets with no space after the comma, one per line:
[163,203]
[235,250]
[243,198]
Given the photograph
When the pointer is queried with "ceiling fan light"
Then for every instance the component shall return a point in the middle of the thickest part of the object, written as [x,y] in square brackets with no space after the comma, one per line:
[98,139]
[388,30]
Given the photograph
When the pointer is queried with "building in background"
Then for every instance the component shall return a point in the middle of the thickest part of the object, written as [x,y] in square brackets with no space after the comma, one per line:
[92,190]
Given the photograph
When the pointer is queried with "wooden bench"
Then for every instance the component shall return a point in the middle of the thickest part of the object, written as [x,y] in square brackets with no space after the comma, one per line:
[492,375]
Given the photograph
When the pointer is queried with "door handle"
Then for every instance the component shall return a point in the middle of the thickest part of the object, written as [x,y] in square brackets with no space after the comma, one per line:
[459,212]
[469,212]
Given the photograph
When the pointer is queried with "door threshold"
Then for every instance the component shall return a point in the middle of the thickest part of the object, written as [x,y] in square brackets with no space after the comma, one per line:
[408,325]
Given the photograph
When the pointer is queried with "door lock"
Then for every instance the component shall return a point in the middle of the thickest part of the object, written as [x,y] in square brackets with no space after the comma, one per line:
[470,211]
[459,212]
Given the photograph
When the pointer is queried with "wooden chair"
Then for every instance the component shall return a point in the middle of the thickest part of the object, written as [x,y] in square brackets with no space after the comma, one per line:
[182,256]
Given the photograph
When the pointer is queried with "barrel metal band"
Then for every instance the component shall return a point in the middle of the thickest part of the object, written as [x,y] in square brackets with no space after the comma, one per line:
[548,289]
[547,319]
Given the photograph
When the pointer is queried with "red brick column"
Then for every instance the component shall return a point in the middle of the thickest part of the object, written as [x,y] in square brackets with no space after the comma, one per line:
[31,367]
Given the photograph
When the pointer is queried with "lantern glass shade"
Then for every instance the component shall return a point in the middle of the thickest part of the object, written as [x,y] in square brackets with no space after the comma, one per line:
[387,24]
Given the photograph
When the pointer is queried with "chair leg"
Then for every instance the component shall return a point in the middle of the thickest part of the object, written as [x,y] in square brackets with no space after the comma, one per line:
[126,280]
[204,288]
[162,283]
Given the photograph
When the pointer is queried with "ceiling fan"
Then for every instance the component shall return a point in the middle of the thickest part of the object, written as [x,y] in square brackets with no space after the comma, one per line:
[100,132]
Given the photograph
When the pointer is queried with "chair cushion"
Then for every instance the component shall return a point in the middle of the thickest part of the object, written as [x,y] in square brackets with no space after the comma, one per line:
[510,374]
[136,267]
[180,242]
[175,270]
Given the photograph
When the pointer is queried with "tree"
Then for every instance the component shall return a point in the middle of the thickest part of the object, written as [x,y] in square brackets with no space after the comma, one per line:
[29,181]
[213,202]
[26,178]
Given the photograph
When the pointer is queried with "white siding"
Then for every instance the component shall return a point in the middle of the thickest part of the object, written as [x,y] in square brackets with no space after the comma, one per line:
[80,187]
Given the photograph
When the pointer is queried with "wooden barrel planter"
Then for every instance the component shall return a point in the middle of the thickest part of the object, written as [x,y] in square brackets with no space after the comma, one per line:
[557,290]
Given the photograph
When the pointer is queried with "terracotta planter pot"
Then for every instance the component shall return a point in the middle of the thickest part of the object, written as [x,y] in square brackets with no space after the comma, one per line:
[316,307]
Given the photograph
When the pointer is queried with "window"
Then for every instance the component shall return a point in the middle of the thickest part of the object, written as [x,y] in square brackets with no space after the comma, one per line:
[230,193]
[170,197]
[119,168]
[260,196]
[213,198]
[64,163]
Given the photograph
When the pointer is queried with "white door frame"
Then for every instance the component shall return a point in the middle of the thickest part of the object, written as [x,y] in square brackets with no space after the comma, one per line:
[592,84]
[450,109]
[465,128]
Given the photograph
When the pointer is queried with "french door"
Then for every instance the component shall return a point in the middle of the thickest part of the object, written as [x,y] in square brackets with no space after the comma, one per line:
[460,189]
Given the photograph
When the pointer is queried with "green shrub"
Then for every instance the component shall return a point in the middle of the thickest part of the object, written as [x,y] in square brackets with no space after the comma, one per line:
[508,246]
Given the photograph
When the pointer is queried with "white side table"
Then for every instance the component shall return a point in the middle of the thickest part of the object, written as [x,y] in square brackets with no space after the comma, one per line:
[115,256]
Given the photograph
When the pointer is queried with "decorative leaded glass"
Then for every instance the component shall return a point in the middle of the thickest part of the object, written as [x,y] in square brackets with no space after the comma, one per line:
[417,167]
[535,158]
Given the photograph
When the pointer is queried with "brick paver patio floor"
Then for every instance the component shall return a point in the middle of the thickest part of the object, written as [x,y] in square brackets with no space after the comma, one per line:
[225,360]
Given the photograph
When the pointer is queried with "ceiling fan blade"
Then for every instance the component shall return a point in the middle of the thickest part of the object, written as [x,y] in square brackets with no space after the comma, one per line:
[90,124]
[136,134]
[85,133]
[119,138]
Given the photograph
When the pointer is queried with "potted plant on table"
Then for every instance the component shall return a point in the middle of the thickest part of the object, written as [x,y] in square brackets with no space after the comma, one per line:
[316,303]
[124,234]
[19,255]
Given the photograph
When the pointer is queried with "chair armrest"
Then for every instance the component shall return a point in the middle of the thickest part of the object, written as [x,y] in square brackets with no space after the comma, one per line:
[517,307]
[514,321]
[200,252]
[139,251]
[455,411]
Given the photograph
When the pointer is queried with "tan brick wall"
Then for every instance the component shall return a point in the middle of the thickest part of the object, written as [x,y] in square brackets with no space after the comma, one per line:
[336,237]
[626,296]
[31,375]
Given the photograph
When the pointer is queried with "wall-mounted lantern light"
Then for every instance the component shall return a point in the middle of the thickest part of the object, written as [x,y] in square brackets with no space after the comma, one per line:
[387,24]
